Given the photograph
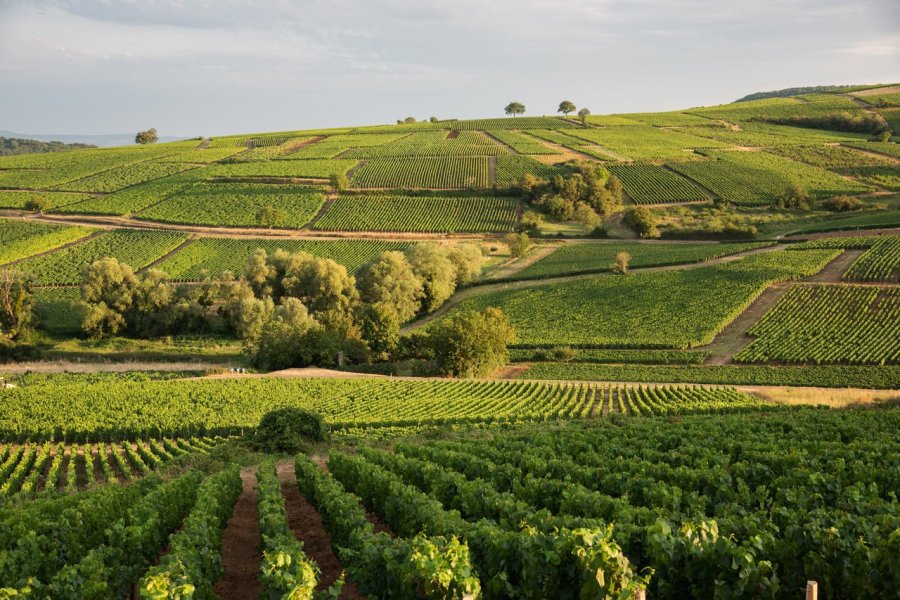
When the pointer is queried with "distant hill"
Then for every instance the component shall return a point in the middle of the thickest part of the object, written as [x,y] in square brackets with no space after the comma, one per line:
[815,89]
[11,146]
[105,140]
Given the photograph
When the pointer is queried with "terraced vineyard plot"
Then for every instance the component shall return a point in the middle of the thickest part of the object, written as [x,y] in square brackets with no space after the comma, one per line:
[214,256]
[511,168]
[629,476]
[870,168]
[595,257]
[523,144]
[612,120]
[206,156]
[767,135]
[779,108]
[515,123]
[880,263]
[888,148]
[566,140]
[136,198]
[827,324]
[651,357]
[323,149]
[432,143]
[237,204]
[453,214]
[671,309]
[19,239]
[46,170]
[673,119]
[649,184]
[350,406]
[314,168]
[136,248]
[641,142]
[123,177]
[54,200]
[423,173]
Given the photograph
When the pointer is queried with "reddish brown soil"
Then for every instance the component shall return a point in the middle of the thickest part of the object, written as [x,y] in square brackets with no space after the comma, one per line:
[306,523]
[241,546]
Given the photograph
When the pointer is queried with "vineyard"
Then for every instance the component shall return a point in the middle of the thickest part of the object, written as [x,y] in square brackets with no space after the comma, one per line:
[29,469]
[436,143]
[19,239]
[9,199]
[123,177]
[570,259]
[522,143]
[418,173]
[670,309]
[650,184]
[511,168]
[136,198]
[298,169]
[846,161]
[214,256]
[880,262]
[136,248]
[453,214]
[101,410]
[237,204]
[641,142]
[825,324]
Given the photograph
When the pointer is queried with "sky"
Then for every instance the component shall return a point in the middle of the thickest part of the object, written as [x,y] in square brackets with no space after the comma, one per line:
[234,66]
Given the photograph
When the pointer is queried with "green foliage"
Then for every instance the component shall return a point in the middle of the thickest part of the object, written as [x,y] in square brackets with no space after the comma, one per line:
[394,212]
[313,168]
[389,282]
[339,182]
[472,344]
[432,144]
[518,243]
[843,204]
[14,146]
[194,562]
[566,106]
[20,239]
[794,197]
[642,220]
[146,137]
[514,109]
[288,430]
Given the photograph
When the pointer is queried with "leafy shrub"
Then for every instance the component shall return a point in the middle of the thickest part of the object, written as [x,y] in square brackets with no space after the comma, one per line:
[288,430]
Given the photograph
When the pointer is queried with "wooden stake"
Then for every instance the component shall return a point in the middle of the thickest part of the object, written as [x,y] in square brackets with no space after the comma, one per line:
[812,590]
[641,595]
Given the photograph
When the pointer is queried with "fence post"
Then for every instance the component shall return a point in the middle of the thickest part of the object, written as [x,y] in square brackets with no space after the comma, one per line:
[812,590]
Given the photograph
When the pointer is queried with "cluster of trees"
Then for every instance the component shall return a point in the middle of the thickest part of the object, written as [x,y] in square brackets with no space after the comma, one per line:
[586,195]
[16,309]
[642,220]
[409,120]
[13,146]
[290,309]
[862,122]
[794,197]
[146,137]
[567,106]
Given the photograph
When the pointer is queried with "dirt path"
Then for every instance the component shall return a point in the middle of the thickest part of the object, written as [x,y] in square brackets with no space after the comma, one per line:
[203,145]
[734,338]
[306,523]
[492,171]
[241,542]
[329,200]
[481,290]
[190,240]
[515,266]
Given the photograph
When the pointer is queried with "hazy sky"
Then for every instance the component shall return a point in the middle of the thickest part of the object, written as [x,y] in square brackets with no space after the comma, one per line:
[229,66]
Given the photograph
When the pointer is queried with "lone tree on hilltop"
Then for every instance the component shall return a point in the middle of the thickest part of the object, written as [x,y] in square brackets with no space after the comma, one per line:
[146,137]
[583,114]
[565,107]
[515,109]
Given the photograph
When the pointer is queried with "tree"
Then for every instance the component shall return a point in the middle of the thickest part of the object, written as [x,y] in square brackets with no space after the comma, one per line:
[150,312]
[530,222]
[37,204]
[583,114]
[620,264]
[259,273]
[433,119]
[472,344]
[435,271]
[587,216]
[146,137]
[16,306]
[794,197]
[270,216]
[282,341]
[642,220]
[339,182]
[565,107]
[107,292]
[468,259]
[843,204]
[389,282]
[518,243]
[884,136]
[380,327]
[322,285]
[409,120]
[515,109]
